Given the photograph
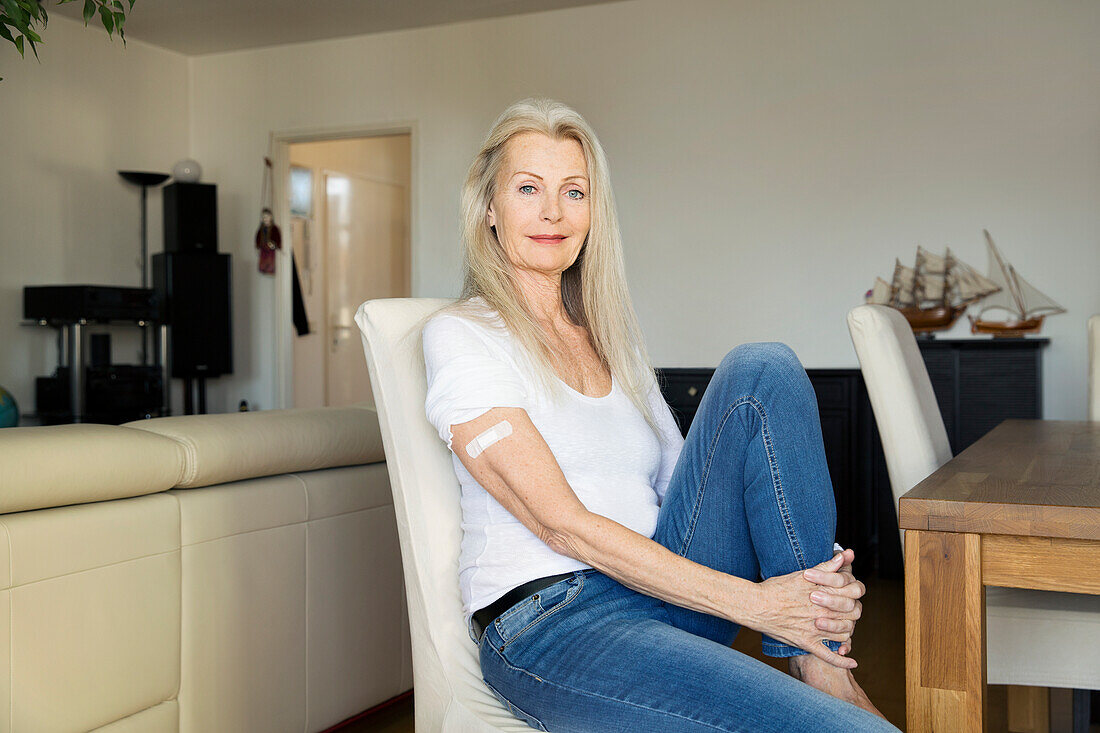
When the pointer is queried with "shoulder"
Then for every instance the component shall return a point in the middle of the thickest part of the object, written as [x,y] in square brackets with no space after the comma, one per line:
[470,327]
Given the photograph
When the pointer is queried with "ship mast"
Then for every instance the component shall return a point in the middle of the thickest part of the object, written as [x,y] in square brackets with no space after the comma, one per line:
[1009,276]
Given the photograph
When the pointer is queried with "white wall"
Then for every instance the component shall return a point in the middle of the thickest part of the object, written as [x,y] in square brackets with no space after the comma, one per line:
[770,158]
[67,125]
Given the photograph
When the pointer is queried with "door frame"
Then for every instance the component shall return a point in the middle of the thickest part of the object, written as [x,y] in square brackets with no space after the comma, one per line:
[279,144]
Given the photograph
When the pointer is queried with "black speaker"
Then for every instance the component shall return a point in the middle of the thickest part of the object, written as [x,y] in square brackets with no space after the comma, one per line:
[101,349]
[194,289]
[190,217]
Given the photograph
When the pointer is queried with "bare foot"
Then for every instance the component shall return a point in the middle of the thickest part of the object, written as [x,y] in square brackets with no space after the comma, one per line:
[839,683]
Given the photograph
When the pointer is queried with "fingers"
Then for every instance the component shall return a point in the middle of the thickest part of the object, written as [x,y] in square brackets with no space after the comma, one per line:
[845,648]
[831,579]
[835,601]
[821,651]
[837,583]
[831,565]
[839,562]
[842,626]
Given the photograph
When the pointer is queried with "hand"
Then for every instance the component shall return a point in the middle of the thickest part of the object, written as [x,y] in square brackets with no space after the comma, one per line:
[839,594]
[785,612]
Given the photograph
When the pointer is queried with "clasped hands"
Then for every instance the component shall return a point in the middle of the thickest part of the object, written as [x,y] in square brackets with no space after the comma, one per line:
[819,603]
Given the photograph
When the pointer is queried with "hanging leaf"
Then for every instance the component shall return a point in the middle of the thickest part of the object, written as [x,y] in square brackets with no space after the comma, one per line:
[13,15]
[108,19]
[21,20]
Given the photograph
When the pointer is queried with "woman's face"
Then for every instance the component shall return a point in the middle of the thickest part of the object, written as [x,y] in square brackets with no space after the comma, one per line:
[540,209]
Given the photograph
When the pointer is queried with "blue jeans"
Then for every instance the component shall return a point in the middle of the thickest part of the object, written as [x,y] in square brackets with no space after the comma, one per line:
[750,496]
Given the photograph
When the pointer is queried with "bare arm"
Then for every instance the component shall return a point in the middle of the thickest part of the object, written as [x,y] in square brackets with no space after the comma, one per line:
[521,473]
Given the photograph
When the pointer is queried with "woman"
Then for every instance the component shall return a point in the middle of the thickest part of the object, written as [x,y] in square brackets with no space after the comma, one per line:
[607,563]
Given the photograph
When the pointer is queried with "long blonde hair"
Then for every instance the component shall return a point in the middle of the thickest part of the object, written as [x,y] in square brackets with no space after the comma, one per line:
[593,289]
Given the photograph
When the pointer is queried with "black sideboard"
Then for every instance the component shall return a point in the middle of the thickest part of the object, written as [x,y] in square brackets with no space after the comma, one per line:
[978,383]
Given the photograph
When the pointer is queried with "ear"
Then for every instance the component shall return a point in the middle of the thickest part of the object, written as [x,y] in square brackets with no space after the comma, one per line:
[490,216]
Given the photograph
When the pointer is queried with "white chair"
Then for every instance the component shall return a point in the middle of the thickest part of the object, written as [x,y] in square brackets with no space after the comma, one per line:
[449,693]
[1034,638]
[1094,368]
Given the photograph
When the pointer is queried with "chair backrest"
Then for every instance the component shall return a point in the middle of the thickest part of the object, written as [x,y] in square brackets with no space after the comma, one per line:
[1094,368]
[909,421]
[426,501]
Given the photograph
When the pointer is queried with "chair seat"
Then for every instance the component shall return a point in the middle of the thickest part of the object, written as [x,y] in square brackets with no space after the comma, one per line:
[481,715]
[1042,638]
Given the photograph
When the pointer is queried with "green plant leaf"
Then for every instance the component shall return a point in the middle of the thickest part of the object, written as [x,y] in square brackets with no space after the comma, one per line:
[108,19]
[14,14]
[89,10]
[5,33]
[132,4]
[19,44]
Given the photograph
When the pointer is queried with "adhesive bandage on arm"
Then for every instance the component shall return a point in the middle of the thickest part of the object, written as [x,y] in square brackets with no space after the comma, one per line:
[501,430]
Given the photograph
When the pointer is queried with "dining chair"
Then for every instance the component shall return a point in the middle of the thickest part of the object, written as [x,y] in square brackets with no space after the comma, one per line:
[1094,368]
[1033,638]
[449,693]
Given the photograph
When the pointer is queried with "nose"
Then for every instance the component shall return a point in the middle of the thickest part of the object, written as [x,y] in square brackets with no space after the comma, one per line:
[551,209]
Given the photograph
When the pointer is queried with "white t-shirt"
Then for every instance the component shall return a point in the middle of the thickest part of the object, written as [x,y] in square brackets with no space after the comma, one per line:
[617,466]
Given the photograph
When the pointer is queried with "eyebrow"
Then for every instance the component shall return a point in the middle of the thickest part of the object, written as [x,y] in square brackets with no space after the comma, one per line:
[536,175]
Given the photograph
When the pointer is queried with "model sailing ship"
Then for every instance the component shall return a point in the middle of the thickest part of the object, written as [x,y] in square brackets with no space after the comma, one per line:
[937,290]
[1024,304]
[934,292]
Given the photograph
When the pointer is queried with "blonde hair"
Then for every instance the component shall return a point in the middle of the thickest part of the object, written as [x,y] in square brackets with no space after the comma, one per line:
[593,289]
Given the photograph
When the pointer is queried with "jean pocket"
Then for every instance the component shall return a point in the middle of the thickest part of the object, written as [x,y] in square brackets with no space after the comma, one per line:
[529,612]
[531,720]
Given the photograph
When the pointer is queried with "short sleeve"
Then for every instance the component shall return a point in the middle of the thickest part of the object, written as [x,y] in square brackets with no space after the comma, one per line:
[672,441]
[468,374]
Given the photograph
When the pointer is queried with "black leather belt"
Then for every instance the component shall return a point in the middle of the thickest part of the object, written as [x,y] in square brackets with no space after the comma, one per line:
[482,618]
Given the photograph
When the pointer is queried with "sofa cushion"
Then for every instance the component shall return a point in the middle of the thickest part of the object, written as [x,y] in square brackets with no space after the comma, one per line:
[57,465]
[89,614]
[231,447]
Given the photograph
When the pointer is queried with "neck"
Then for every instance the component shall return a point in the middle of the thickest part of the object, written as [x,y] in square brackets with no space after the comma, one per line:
[542,293]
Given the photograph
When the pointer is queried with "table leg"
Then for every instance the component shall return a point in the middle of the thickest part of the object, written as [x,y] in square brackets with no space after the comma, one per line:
[944,632]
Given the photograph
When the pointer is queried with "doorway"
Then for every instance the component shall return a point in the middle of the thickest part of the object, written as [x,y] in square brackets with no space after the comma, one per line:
[349,220]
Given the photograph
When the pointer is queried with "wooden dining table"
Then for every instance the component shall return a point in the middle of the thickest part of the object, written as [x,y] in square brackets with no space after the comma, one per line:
[1019,508]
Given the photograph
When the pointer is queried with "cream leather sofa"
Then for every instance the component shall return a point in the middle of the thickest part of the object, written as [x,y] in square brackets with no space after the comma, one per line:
[208,573]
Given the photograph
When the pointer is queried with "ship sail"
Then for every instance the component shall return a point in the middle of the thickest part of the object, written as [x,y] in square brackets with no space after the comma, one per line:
[931,271]
[1018,298]
[880,293]
[967,285]
[1035,302]
[901,287]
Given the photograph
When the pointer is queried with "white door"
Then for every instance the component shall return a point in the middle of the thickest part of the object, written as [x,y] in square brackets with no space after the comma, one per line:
[366,258]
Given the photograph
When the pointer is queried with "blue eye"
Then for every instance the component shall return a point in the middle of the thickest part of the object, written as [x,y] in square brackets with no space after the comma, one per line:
[527,189]
[578,197]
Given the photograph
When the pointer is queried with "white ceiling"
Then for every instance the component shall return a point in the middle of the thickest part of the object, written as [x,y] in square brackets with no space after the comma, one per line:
[209,26]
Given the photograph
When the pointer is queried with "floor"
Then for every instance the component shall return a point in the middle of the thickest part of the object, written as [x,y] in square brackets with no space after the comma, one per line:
[877,646]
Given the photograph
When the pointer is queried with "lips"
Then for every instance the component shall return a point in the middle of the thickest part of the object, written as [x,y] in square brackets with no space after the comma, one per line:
[547,238]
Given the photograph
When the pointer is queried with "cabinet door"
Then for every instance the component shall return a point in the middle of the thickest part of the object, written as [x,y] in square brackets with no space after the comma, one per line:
[995,385]
[942,366]
[683,390]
